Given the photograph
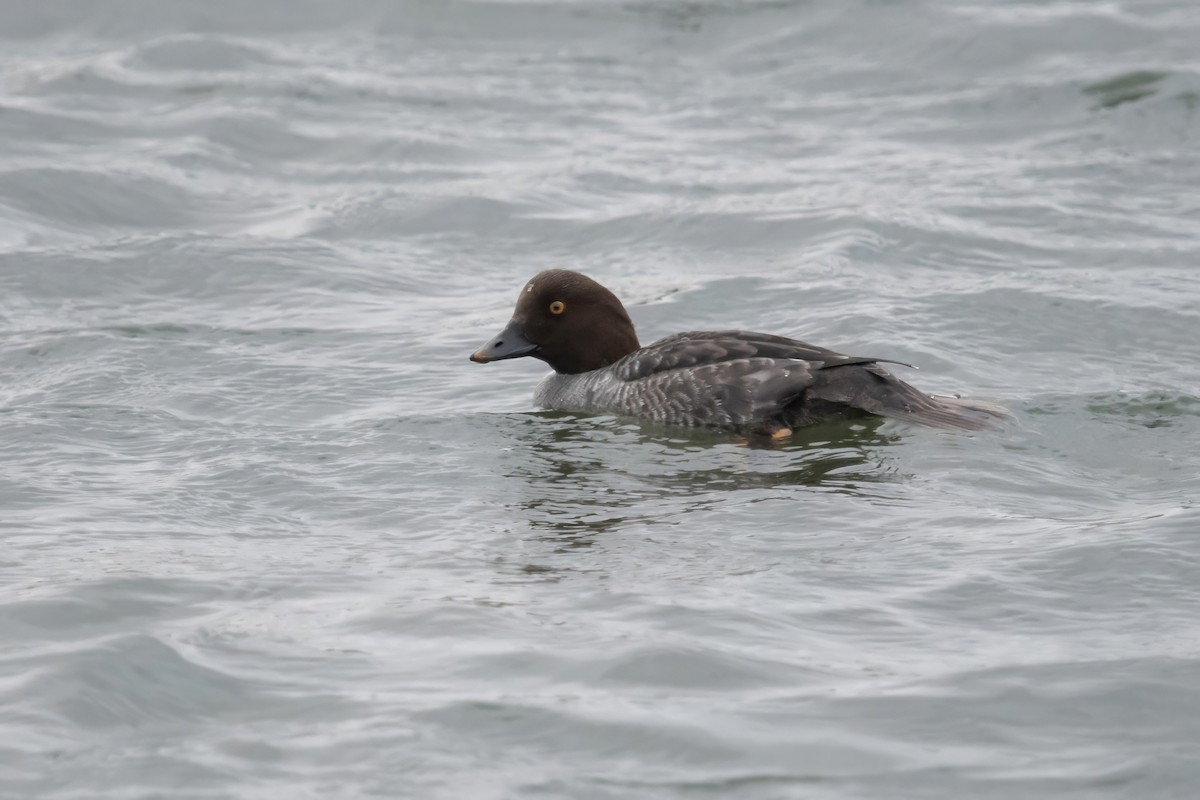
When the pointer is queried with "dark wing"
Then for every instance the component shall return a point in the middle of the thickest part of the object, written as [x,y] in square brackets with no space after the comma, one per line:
[721,378]
[873,389]
[759,381]
[696,348]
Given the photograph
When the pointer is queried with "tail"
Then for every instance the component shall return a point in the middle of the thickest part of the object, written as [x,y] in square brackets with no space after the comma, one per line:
[952,413]
[871,388]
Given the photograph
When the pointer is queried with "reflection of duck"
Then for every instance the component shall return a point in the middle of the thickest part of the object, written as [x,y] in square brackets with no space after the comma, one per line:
[576,477]
[735,380]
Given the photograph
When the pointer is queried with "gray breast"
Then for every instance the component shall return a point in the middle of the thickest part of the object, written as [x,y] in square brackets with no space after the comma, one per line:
[590,392]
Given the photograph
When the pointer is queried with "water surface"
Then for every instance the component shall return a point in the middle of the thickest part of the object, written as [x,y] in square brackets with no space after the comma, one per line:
[267,533]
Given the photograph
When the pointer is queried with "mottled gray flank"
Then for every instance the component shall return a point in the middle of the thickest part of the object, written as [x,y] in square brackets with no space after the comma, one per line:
[686,379]
[266,533]
[750,382]
[732,394]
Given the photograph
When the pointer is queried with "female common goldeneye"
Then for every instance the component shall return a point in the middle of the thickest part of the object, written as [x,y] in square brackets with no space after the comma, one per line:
[737,380]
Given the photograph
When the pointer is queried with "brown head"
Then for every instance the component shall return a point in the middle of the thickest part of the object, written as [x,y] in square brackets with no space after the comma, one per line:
[567,320]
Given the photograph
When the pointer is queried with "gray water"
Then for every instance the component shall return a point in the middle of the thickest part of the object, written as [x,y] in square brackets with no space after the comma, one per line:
[268,534]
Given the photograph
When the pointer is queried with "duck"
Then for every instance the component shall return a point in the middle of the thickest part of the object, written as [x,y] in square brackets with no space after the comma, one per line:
[733,380]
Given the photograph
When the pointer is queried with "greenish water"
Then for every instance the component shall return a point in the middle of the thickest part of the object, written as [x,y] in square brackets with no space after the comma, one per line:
[267,533]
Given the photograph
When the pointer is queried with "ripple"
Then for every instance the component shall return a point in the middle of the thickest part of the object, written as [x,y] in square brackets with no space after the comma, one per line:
[201,53]
[1152,410]
[78,198]
[135,680]
[1127,88]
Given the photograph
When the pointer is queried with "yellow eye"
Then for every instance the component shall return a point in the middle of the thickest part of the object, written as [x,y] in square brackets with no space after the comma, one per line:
[557,307]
